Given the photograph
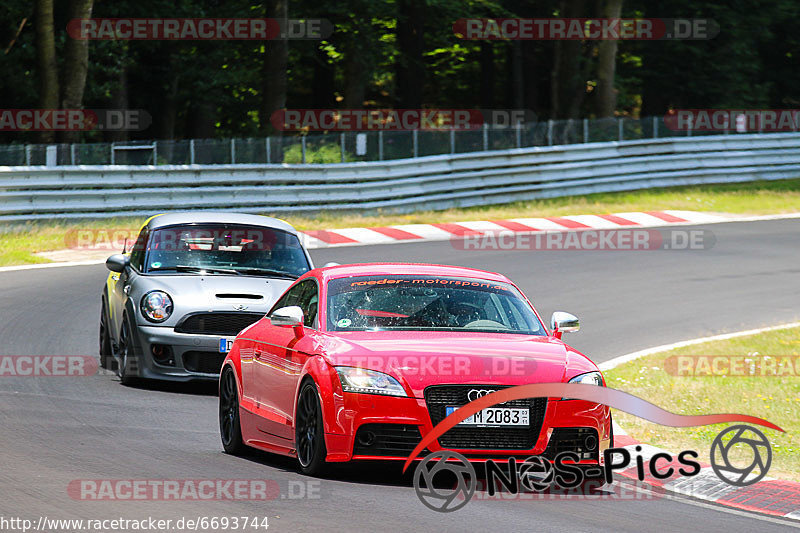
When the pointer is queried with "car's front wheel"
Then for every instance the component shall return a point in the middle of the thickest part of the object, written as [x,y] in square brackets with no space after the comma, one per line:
[106,354]
[309,431]
[126,354]
[230,429]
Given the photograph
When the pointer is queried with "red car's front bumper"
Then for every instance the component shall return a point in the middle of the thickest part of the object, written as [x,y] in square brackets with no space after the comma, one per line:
[356,410]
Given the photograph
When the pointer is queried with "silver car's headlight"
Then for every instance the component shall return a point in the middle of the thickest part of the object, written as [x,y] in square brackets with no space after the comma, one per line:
[156,306]
[589,378]
[368,381]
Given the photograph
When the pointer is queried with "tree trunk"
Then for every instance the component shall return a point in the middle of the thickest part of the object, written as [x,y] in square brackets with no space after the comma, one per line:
[322,84]
[567,87]
[517,84]
[355,79]
[606,98]
[76,65]
[487,74]
[276,58]
[410,67]
[46,60]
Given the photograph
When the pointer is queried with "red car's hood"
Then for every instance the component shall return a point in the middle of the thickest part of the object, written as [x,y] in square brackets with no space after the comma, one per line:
[420,359]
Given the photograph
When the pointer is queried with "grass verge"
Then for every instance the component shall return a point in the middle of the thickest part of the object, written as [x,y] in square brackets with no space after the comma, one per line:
[687,385]
[19,243]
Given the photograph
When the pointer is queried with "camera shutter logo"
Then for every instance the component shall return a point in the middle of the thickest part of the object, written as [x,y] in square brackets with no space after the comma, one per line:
[445,500]
[761,455]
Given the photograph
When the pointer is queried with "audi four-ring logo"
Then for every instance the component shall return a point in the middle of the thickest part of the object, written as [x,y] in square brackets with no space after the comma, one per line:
[474,394]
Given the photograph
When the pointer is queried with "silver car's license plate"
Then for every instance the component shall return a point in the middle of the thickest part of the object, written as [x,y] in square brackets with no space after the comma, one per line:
[496,417]
[225,345]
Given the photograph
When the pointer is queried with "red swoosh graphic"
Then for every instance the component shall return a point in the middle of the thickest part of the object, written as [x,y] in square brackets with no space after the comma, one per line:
[592,393]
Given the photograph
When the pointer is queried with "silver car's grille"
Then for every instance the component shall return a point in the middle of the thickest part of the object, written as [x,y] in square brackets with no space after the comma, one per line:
[216,323]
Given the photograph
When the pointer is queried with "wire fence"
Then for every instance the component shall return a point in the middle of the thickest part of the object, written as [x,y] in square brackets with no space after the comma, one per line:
[335,147]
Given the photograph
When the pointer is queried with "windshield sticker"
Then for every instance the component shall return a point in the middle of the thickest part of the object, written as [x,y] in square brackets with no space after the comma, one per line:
[344,323]
[155,265]
[430,281]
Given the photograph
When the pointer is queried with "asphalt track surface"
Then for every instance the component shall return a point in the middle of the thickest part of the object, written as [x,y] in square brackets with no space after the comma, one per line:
[56,430]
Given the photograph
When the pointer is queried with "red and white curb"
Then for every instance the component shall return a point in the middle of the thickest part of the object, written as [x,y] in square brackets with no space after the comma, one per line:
[768,496]
[446,231]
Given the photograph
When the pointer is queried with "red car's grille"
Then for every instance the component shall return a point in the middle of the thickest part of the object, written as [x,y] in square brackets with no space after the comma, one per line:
[216,323]
[439,397]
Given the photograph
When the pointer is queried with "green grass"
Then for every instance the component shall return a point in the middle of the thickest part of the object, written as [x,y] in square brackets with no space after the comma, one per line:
[773,397]
[19,243]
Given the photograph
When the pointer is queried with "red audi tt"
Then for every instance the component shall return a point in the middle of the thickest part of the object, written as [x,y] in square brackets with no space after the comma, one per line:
[358,362]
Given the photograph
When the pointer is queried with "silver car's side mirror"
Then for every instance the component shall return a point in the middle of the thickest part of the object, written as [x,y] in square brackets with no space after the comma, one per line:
[117,263]
[287,316]
[562,322]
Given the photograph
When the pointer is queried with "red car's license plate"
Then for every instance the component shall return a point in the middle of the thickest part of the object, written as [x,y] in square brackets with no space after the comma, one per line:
[496,416]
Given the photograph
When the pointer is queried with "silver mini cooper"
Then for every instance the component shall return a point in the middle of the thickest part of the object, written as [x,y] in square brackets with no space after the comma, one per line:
[173,303]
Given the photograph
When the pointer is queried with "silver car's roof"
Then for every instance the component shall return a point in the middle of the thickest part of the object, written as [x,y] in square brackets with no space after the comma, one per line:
[216,217]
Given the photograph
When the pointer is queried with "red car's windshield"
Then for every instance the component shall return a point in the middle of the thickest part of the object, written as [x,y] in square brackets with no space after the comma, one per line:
[426,303]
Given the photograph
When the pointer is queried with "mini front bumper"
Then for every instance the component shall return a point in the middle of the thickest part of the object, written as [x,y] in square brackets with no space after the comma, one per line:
[193,356]
[362,409]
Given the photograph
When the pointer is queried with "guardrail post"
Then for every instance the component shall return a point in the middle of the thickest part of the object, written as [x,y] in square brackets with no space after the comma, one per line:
[689,129]
[655,127]
[191,152]
[380,145]
[72,154]
[303,148]
[112,153]
[341,144]
[452,141]
[619,129]
[518,127]
[155,153]
[485,137]
[233,151]
[269,152]
[550,132]
[585,130]
[415,142]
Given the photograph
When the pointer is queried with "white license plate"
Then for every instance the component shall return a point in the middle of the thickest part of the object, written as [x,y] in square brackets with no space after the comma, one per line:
[225,345]
[495,417]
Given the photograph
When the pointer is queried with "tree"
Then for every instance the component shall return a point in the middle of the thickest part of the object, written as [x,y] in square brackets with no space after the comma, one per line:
[76,65]
[46,59]
[606,97]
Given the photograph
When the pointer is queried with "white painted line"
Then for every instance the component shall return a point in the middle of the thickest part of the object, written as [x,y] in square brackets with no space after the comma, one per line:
[426,231]
[608,365]
[52,265]
[540,224]
[696,217]
[484,226]
[365,236]
[595,222]
[643,219]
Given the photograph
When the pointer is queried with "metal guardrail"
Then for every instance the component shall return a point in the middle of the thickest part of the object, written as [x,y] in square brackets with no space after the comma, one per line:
[435,182]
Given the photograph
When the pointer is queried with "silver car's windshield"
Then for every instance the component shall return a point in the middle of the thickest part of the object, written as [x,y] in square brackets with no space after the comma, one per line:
[225,249]
[426,303]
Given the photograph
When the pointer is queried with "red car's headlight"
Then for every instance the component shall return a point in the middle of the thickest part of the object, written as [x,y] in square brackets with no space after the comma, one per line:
[368,381]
